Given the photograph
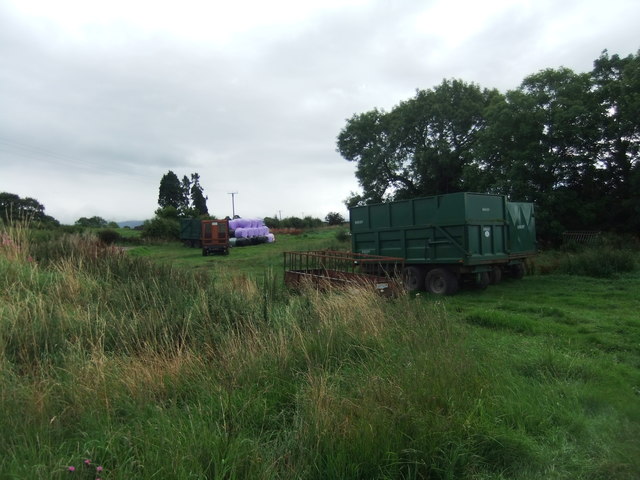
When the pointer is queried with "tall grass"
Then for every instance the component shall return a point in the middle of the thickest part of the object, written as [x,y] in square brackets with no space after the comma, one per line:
[599,261]
[157,372]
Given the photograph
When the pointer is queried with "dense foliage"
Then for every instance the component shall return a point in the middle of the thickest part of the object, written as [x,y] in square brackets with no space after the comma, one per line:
[186,196]
[292,222]
[95,222]
[109,236]
[177,199]
[567,141]
[165,225]
[14,208]
[171,193]
[334,218]
[198,200]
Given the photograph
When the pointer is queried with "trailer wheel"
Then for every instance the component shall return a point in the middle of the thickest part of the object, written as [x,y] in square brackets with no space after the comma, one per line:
[482,280]
[441,281]
[495,276]
[517,271]
[413,278]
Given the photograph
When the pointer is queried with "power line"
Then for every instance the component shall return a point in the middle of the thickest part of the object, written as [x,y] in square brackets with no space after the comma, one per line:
[23,150]
[33,151]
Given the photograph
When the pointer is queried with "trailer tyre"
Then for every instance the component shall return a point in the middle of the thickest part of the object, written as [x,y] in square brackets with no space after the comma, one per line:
[495,276]
[483,279]
[413,278]
[517,271]
[441,281]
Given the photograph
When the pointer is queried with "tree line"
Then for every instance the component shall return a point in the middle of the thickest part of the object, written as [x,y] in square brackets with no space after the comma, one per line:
[569,142]
[15,208]
[186,195]
[176,199]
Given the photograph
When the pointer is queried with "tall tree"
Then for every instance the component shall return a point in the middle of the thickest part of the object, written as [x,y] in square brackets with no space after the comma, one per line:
[186,194]
[93,222]
[539,146]
[170,194]
[423,146]
[334,218]
[617,90]
[14,208]
[570,142]
[198,200]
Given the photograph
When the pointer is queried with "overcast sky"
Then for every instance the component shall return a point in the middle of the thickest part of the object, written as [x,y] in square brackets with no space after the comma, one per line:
[99,99]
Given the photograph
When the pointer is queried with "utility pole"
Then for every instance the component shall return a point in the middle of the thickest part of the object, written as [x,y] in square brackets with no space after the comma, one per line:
[233,204]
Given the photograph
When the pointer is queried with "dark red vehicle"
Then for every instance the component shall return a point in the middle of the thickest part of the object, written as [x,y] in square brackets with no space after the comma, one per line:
[215,237]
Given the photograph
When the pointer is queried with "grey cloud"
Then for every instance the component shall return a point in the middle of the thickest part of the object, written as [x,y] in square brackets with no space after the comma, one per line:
[259,114]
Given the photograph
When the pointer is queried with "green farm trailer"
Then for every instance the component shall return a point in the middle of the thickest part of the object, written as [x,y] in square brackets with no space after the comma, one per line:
[448,240]
[190,231]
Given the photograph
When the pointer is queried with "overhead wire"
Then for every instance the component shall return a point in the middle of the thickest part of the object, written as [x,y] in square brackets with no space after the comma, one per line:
[12,147]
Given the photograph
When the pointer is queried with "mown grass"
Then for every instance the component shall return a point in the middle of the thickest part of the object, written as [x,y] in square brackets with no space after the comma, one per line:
[159,371]
[253,261]
[566,349]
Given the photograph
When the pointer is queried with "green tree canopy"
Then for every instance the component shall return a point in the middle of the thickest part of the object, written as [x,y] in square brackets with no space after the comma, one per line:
[617,92]
[334,218]
[14,208]
[171,192]
[186,196]
[539,145]
[421,147]
[93,222]
[198,200]
[567,141]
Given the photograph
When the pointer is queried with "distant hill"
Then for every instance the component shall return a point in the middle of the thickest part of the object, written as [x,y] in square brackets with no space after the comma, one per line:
[130,223]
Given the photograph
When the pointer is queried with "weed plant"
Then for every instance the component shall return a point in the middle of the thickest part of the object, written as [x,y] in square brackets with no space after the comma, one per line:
[159,372]
[594,261]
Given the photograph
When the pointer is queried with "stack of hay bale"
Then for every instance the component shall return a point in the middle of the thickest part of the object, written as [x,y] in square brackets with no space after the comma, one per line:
[249,231]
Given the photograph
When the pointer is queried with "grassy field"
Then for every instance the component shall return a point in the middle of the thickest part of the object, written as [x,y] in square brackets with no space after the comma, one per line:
[253,261]
[141,363]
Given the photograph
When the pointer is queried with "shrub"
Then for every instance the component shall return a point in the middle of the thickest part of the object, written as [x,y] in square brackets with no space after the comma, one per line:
[108,236]
[272,222]
[334,218]
[598,262]
[342,235]
[161,228]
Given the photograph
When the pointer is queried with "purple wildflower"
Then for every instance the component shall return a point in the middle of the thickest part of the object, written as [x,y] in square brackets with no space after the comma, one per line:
[71,469]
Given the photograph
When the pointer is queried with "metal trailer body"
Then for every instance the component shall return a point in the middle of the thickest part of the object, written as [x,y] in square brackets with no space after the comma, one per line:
[522,230]
[448,239]
[190,232]
[215,237]
[325,269]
